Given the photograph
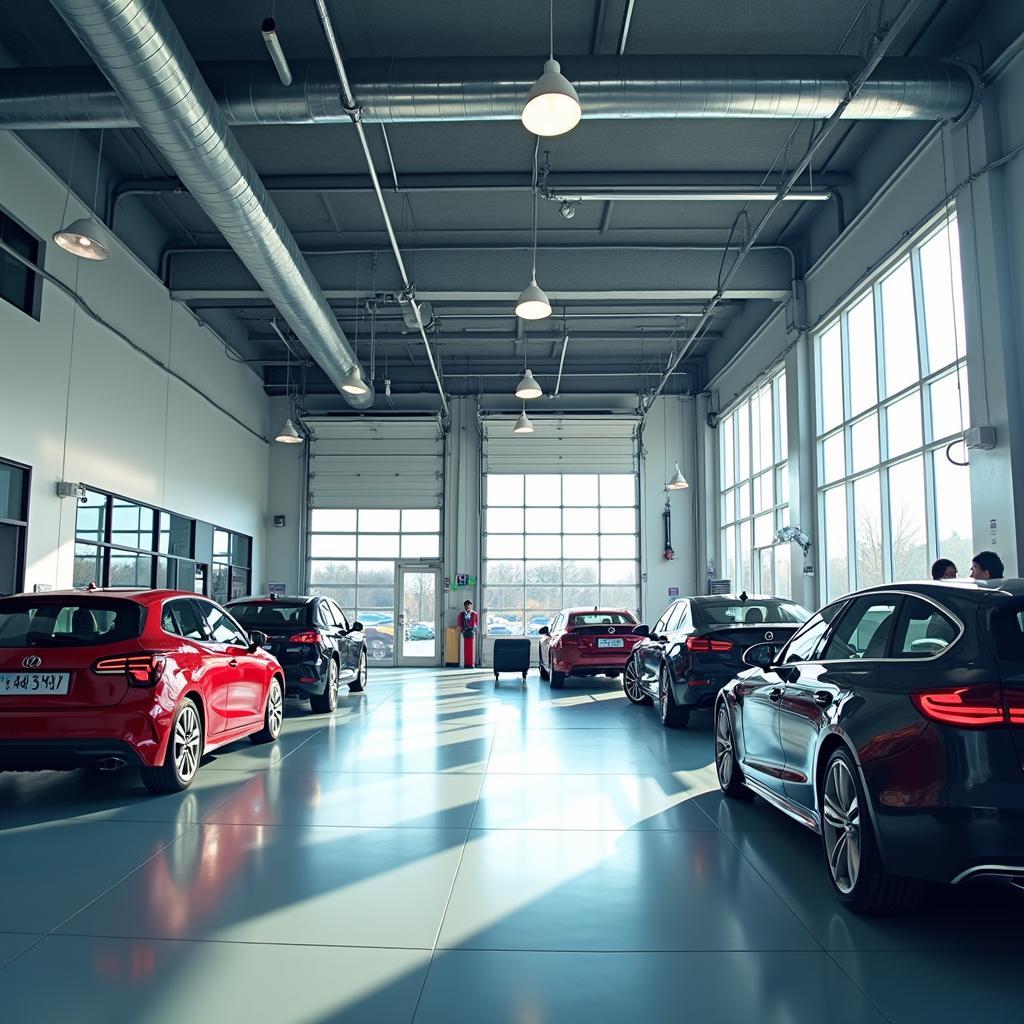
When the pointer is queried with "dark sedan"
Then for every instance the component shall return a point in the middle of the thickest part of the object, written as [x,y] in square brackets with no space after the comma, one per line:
[314,642]
[893,725]
[697,646]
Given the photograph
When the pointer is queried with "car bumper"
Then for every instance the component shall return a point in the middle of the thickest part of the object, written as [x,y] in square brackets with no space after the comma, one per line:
[304,678]
[699,691]
[606,661]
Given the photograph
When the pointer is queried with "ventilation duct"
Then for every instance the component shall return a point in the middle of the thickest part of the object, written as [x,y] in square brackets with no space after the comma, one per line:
[139,49]
[495,89]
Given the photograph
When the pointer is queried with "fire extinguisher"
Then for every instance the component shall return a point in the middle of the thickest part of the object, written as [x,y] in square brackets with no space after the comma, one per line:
[667,518]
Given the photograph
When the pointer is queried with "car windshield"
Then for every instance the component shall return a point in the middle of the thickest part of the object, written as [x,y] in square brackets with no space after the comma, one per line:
[268,614]
[67,622]
[751,613]
[601,619]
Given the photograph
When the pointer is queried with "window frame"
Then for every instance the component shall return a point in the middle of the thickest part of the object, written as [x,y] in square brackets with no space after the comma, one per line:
[20,525]
[35,302]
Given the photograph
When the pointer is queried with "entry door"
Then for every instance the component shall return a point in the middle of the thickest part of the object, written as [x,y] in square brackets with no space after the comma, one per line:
[417,629]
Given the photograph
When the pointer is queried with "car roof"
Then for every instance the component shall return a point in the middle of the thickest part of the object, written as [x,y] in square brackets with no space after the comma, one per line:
[267,599]
[976,590]
[139,595]
[596,611]
[738,598]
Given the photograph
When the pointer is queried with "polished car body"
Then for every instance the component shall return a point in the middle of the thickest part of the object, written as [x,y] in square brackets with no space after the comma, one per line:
[312,638]
[697,646]
[893,724]
[149,678]
[586,642]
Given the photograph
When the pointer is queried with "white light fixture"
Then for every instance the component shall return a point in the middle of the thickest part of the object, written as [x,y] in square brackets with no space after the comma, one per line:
[532,303]
[288,434]
[523,424]
[552,105]
[85,237]
[354,384]
[677,482]
[528,387]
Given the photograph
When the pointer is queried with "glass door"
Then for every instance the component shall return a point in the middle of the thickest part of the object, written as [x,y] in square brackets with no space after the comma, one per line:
[417,630]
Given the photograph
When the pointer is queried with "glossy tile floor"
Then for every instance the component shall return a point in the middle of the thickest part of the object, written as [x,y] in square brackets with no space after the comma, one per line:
[443,851]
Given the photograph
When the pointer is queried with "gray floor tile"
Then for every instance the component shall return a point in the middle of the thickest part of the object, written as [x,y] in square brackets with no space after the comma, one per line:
[154,982]
[570,751]
[262,883]
[469,987]
[741,815]
[614,890]
[49,872]
[12,945]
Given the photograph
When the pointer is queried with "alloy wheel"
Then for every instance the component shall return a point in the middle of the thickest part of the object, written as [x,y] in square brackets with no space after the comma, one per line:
[631,684]
[187,738]
[275,709]
[724,761]
[362,670]
[841,816]
[332,684]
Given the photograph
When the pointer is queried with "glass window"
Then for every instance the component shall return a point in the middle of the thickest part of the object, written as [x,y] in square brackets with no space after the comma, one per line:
[867,513]
[954,529]
[91,519]
[922,630]
[40,621]
[127,569]
[582,493]
[805,642]
[175,535]
[943,297]
[863,632]
[18,283]
[907,532]
[380,520]
[421,520]
[221,628]
[948,401]
[182,618]
[833,458]
[332,545]
[333,520]
[899,328]
[830,355]
[862,360]
[903,425]
[864,451]
[836,542]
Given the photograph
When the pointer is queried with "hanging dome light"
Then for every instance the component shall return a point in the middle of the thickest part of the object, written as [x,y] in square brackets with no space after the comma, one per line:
[523,424]
[532,304]
[552,105]
[354,384]
[288,434]
[678,481]
[528,387]
[86,238]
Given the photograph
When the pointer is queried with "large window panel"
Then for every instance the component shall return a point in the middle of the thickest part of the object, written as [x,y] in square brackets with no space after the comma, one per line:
[836,542]
[907,531]
[953,510]
[899,330]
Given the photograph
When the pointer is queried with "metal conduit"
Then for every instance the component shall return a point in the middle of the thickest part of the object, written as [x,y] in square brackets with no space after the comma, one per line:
[139,49]
[495,89]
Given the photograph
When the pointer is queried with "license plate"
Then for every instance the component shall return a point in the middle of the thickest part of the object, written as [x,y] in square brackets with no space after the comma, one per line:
[610,641]
[16,684]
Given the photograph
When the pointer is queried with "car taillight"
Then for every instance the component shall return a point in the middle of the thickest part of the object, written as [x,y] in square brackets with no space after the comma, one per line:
[702,645]
[310,636]
[972,706]
[141,669]
[570,640]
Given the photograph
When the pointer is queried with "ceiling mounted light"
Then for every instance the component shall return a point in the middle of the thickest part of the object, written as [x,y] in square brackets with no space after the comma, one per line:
[288,434]
[552,105]
[528,387]
[532,303]
[677,481]
[86,238]
[523,424]
[354,384]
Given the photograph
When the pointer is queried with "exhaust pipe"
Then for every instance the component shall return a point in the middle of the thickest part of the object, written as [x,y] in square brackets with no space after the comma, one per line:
[112,764]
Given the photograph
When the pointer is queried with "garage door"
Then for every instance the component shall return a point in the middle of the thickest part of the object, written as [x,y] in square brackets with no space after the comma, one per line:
[577,444]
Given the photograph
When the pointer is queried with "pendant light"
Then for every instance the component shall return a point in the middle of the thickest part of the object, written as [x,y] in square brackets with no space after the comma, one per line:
[287,434]
[677,482]
[528,387]
[533,304]
[523,424]
[552,105]
[354,384]
[85,237]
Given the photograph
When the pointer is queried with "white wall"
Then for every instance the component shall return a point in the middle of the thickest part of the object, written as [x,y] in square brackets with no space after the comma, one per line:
[77,403]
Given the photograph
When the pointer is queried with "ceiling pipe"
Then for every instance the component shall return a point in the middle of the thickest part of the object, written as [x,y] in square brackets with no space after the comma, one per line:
[138,47]
[353,109]
[393,90]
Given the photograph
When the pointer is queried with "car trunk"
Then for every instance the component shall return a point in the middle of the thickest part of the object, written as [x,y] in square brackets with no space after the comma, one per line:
[278,635]
[601,641]
[33,687]
[742,636]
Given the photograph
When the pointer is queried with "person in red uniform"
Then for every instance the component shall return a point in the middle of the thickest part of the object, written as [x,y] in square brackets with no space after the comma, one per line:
[469,620]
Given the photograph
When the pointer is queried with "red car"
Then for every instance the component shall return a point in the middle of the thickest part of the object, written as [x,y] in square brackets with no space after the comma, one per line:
[150,678]
[586,642]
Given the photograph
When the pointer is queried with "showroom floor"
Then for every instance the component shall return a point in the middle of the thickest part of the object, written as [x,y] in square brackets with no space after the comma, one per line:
[441,851]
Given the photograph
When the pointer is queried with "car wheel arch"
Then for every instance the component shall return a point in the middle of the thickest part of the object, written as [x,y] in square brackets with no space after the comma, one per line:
[833,740]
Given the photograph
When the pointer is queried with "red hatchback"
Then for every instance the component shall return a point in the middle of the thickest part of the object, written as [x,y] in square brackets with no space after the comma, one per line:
[586,642]
[150,678]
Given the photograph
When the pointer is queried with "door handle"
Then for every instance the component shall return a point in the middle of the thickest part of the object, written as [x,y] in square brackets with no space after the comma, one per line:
[775,694]
[822,698]
[233,663]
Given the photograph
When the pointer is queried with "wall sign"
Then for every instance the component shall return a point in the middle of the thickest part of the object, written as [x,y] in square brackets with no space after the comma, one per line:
[673,591]
[277,589]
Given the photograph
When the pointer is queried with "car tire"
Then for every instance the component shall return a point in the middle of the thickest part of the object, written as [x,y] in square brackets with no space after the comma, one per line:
[273,715]
[544,673]
[730,775]
[358,685]
[325,703]
[631,687]
[671,714]
[852,858]
[184,750]
[557,679]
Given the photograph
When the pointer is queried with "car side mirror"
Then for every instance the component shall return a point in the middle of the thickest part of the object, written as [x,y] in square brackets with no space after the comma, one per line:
[257,640]
[543,631]
[356,627]
[759,656]
[642,630]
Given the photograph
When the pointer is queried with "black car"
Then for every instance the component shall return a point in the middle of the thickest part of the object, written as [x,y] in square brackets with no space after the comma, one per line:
[893,725]
[697,646]
[314,642]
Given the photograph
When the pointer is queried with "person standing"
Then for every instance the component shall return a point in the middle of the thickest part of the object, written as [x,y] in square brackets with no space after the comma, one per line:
[943,569]
[986,565]
[469,620]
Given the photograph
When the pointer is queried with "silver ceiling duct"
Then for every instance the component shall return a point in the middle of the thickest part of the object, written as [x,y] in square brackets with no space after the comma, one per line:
[140,51]
[494,89]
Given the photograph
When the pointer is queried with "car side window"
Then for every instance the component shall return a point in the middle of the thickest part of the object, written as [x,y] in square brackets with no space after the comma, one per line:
[922,630]
[324,615]
[864,631]
[222,628]
[672,617]
[343,622]
[182,618]
[806,640]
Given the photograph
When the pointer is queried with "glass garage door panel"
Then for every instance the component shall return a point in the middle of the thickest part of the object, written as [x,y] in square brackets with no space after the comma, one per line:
[418,635]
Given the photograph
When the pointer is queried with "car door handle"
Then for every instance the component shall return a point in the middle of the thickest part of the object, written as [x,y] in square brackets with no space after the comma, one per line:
[233,663]
[775,694]
[822,698]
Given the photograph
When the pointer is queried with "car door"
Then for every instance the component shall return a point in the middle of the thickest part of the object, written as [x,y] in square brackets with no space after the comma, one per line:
[204,663]
[760,692]
[349,643]
[247,672]
[330,629]
[652,650]
[814,696]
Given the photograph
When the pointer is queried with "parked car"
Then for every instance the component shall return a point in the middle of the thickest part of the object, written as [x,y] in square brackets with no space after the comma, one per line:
[313,640]
[498,625]
[697,646]
[892,724]
[587,642]
[536,623]
[420,631]
[148,678]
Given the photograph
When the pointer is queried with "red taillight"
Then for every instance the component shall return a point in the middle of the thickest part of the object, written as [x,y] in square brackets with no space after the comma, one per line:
[141,669]
[702,645]
[570,640]
[310,636]
[972,706]
[1015,706]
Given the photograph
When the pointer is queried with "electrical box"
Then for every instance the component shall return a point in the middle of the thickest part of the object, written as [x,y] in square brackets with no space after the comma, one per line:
[67,489]
[980,437]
